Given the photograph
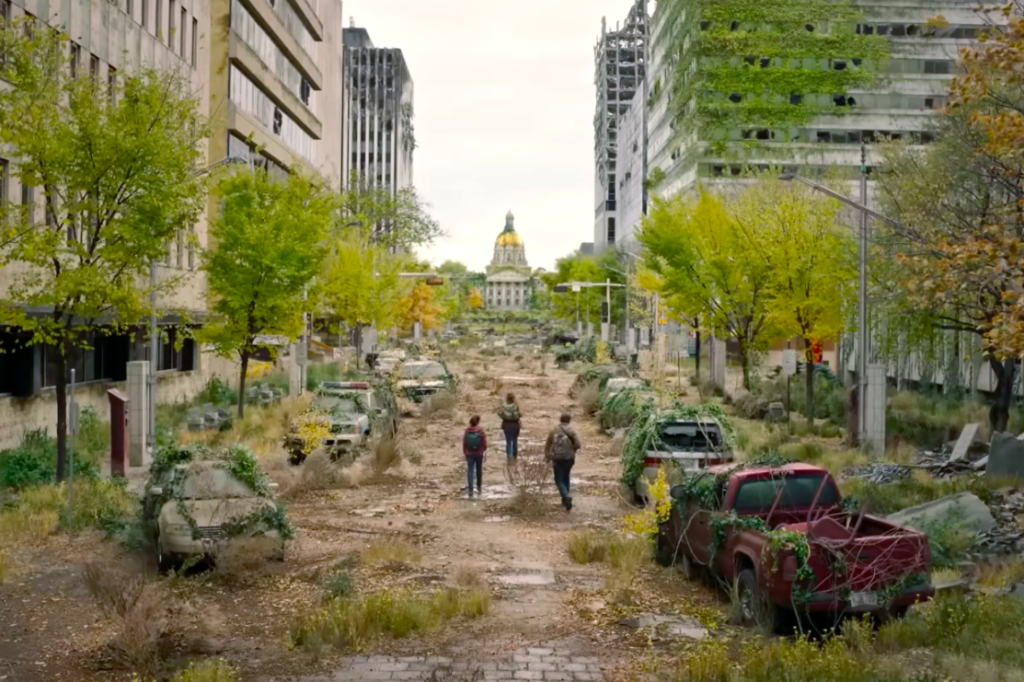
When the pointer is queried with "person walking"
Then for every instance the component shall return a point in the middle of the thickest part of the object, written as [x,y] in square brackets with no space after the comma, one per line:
[474,448]
[560,449]
[510,424]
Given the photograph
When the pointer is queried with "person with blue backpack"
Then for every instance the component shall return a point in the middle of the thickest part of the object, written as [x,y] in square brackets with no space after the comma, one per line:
[474,448]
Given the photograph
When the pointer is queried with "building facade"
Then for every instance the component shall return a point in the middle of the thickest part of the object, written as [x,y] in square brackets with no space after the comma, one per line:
[377,116]
[274,73]
[620,66]
[107,39]
[509,278]
[911,59]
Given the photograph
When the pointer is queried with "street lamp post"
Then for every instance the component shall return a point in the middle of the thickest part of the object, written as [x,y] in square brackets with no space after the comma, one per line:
[862,313]
[154,334]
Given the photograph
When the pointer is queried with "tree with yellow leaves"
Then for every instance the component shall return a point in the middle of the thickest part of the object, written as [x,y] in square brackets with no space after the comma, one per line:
[475,300]
[419,306]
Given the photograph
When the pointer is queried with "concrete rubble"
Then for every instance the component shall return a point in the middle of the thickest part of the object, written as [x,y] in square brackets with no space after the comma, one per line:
[965,509]
[881,473]
[667,626]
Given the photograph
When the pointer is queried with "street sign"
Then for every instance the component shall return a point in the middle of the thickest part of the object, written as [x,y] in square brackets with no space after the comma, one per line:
[788,362]
[561,288]
[435,281]
[576,288]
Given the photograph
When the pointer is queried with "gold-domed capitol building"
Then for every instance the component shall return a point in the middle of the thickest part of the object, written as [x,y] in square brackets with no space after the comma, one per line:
[509,277]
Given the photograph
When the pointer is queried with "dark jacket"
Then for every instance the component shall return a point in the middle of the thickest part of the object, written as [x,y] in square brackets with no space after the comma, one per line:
[483,441]
[551,451]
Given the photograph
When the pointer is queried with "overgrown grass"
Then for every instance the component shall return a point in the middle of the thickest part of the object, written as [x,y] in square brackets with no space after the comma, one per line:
[209,670]
[589,397]
[34,461]
[106,505]
[953,638]
[440,405]
[623,554]
[1001,573]
[385,453]
[391,551]
[917,489]
[348,624]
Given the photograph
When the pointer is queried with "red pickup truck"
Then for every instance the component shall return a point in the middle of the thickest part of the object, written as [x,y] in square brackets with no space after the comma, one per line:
[780,534]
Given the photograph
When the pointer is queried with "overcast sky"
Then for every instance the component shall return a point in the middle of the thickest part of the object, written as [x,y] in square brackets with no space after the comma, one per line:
[504,98]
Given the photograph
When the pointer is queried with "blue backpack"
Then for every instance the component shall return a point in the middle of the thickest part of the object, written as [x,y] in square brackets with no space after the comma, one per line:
[474,441]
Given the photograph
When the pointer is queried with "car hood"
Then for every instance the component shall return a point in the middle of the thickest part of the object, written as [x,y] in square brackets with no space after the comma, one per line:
[421,383]
[208,513]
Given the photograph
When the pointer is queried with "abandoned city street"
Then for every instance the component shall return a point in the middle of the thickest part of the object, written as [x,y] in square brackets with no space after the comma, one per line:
[550,619]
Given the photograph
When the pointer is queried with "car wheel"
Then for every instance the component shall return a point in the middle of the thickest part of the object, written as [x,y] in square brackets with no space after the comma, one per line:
[296,457]
[754,607]
[164,561]
[664,553]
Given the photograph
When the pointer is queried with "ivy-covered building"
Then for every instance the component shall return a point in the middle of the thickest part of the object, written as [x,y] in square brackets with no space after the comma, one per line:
[738,85]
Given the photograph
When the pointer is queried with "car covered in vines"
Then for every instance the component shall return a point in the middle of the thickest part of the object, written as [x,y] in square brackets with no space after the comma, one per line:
[420,379]
[780,534]
[689,437]
[197,502]
[341,418]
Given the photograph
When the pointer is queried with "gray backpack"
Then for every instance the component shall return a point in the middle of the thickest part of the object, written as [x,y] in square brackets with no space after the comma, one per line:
[509,413]
[561,447]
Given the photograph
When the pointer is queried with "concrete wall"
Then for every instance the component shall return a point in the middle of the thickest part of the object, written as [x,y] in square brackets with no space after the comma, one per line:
[17,416]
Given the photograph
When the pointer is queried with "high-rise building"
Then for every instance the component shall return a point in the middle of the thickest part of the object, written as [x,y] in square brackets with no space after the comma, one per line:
[275,73]
[854,72]
[620,65]
[106,41]
[377,117]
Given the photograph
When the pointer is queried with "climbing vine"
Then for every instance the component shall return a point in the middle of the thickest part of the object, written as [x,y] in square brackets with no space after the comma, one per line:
[747,64]
[643,436]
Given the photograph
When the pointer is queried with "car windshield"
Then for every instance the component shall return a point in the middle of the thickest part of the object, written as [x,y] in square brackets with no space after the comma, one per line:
[798,491]
[430,370]
[213,483]
[690,436]
[620,384]
[336,404]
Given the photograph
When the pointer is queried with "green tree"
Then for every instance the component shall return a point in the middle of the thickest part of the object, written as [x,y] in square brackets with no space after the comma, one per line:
[399,221]
[115,168]
[594,269]
[704,264]
[810,255]
[271,238]
[361,286]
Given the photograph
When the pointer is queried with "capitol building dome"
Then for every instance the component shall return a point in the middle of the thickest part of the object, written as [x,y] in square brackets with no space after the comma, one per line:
[509,278]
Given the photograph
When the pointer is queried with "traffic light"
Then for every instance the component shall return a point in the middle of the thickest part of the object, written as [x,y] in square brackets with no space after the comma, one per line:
[435,281]
[604,311]
[561,288]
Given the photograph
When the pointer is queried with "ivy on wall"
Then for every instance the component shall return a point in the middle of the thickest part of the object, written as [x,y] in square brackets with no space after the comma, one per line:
[750,64]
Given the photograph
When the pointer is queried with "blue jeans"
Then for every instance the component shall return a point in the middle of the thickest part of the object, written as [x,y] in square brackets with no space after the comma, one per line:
[474,463]
[511,430]
[562,469]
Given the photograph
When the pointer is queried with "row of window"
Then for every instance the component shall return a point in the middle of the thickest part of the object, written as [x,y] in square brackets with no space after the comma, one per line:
[253,35]
[25,370]
[741,170]
[177,24]
[867,100]
[896,30]
[895,65]
[239,148]
[251,99]
[293,22]
[837,136]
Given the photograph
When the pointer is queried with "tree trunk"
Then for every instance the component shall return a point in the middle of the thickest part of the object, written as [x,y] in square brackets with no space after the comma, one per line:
[241,383]
[745,362]
[359,342]
[999,414]
[697,354]
[62,415]
[809,380]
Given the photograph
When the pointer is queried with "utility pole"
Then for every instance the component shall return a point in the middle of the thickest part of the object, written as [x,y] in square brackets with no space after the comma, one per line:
[862,323]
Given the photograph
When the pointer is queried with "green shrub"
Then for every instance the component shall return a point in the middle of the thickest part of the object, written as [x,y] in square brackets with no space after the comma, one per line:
[207,671]
[340,584]
[34,462]
[217,392]
[889,498]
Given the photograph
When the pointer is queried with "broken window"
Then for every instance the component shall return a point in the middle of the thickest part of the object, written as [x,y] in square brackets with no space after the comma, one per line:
[824,136]
[809,28]
[838,64]
[734,26]
[764,135]
[795,99]
[839,100]
[718,170]
[750,59]
[927,138]
[735,97]
[765,62]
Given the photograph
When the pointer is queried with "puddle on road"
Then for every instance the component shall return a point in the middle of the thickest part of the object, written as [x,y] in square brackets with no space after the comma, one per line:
[498,491]
[534,574]
[497,519]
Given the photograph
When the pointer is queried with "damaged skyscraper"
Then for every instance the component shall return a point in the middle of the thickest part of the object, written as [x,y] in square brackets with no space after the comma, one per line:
[620,59]
[377,114]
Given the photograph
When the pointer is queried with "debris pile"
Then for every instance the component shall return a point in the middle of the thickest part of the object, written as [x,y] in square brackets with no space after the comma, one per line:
[881,473]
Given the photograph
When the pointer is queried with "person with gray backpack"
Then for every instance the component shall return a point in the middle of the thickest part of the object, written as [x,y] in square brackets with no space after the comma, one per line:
[510,420]
[561,448]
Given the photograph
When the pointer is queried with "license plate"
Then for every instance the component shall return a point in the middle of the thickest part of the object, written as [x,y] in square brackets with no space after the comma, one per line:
[859,600]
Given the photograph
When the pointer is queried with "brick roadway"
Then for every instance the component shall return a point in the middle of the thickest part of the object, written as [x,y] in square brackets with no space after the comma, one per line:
[534,664]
